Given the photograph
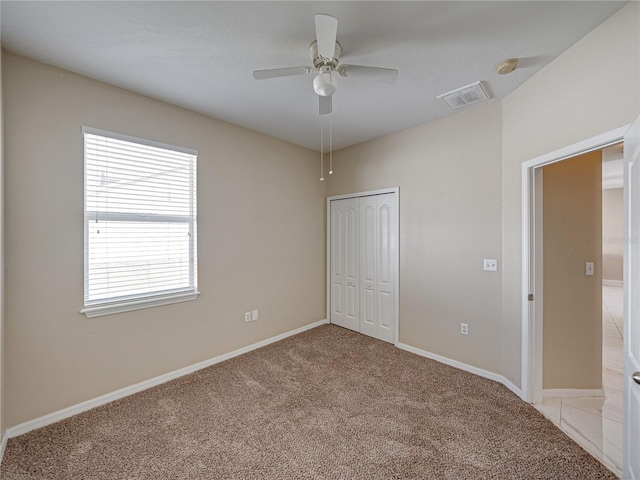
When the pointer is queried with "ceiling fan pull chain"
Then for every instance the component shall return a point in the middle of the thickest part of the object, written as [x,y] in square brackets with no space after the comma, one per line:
[330,145]
[321,153]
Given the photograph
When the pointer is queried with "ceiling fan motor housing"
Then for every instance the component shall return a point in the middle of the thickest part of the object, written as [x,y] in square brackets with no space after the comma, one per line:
[319,61]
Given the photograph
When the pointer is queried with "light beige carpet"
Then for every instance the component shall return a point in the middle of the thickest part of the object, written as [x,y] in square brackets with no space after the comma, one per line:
[327,403]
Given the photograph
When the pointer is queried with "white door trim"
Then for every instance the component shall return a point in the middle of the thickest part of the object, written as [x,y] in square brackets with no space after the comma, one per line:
[531,384]
[396,191]
[631,408]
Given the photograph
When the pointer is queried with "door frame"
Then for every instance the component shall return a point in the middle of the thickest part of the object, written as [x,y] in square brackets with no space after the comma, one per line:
[629,445]
[396,191]
[531,374]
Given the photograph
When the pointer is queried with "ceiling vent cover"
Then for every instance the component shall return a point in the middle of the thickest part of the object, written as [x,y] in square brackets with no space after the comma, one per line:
[465,96]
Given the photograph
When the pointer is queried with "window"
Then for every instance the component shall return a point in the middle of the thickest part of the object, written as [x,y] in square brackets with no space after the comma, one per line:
[139,223]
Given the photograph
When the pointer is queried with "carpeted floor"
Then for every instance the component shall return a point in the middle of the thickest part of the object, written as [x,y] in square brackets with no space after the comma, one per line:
[325,404]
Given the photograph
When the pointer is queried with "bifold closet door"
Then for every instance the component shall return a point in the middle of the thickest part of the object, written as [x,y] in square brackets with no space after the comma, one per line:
[363,256]
[344,263]
[378,254]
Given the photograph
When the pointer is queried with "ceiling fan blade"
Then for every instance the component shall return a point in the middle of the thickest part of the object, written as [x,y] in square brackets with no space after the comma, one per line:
[281,72]
[326,31]
[385,75]
[325,105]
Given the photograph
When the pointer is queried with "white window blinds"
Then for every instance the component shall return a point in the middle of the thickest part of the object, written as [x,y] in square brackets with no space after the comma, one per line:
[140,220]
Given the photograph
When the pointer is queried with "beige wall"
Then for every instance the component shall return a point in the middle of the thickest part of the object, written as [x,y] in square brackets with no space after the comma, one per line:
[261,231]
[572,301]
[590,89]
[612,233]
[450,217]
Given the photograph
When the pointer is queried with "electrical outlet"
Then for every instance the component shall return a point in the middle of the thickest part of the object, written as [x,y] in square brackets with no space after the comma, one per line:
[247,316]
[491,265]
[254,315]
[464,328]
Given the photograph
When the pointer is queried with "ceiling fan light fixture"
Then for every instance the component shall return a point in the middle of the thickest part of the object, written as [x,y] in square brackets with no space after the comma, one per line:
[325,84]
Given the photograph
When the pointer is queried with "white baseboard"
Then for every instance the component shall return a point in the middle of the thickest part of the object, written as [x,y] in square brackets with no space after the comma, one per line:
[3,446]
[463,366]
[612,283]
[572,393]
[138,387]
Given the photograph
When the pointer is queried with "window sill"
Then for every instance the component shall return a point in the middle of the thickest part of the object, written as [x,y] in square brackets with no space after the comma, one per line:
[101,310]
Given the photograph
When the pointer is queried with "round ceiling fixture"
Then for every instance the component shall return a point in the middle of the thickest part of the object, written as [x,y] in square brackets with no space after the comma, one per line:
[508,66]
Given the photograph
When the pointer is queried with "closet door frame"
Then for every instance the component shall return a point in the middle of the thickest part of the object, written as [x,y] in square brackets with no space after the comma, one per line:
[396,192]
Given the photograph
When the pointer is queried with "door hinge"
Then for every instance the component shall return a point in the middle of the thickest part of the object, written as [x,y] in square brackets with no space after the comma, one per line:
[531,297]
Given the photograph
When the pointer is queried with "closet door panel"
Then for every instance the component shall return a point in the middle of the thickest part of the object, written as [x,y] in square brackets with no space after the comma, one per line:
[368,266]
[344,263]
[385,260]
[352,262]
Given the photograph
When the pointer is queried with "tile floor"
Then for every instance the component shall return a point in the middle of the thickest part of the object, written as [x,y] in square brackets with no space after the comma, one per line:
[596,423]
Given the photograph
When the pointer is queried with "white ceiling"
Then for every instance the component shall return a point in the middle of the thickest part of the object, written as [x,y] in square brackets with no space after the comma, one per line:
[200,55]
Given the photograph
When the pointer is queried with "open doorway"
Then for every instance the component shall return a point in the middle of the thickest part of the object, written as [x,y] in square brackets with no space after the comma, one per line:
[580,406]
[582,231]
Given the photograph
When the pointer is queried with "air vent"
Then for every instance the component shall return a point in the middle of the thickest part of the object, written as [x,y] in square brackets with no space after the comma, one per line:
[465,96]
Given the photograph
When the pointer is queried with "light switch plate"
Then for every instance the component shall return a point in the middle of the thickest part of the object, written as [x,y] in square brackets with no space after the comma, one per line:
[588,268]
[254,315]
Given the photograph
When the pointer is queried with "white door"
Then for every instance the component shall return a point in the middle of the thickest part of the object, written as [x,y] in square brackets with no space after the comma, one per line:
[631,459]
[343,263]
[378,257]
[368,257]
[387,258]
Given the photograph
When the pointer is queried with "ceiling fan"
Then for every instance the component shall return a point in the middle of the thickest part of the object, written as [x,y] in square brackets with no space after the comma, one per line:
[325,55]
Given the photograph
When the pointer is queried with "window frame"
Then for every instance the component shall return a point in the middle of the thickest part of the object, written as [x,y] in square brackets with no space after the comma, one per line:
[127,303]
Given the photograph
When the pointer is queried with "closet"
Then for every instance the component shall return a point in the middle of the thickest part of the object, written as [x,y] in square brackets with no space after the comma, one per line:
[363,263]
